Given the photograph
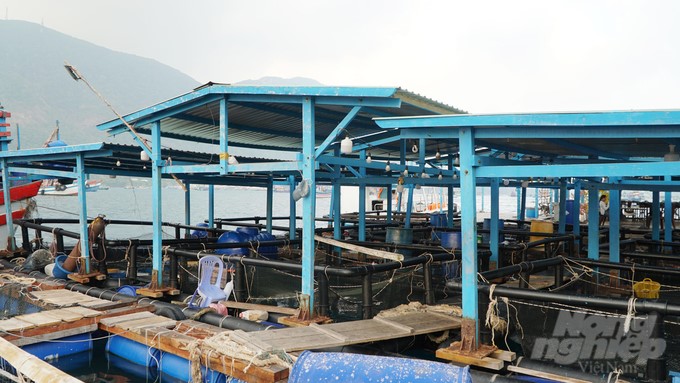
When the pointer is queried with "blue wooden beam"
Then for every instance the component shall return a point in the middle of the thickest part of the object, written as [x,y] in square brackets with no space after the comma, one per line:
[6,185]
[82,200]
[157,204]
[470,323]
[308,202]
[581,170]
[614,223]
[337,130]
[593,224]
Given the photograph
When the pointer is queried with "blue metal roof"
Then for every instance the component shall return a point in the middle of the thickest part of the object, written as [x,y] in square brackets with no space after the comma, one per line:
[270,117]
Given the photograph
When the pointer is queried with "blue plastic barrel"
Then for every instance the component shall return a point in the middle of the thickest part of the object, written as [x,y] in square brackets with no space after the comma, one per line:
[132,351]
[438,219]
[131,369]
[232,237]
[571,213]
[59,271]
[531,213]
[180,368]
[270,252]
[200,233]
[486,237]
[336,367]
[400,236]
[65,346]
[451,239]
[74,362]
[249,233]
[128,290]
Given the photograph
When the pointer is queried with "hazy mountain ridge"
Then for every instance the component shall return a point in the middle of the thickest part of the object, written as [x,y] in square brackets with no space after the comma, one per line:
[37,90]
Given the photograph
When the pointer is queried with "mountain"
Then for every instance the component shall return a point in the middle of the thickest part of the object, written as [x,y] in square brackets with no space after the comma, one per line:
[37,90]
[278,81]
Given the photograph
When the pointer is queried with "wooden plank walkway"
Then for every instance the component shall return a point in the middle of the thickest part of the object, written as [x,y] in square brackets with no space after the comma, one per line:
[76,313]
[180,338]
[355,332]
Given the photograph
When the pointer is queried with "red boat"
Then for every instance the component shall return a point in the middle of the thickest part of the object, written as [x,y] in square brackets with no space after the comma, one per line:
[20,197]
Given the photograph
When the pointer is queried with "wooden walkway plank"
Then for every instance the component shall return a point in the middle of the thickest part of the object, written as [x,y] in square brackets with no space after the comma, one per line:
[141,323]
[83,311]
[63,315]
[356,332]
[125,318]
[14,324]
[39,319]
[486,362]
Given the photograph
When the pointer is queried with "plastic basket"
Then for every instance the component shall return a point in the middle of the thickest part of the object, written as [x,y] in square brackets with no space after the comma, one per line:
[647,289]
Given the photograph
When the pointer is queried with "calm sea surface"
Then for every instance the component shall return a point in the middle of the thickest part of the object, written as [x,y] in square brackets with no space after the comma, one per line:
[135,204]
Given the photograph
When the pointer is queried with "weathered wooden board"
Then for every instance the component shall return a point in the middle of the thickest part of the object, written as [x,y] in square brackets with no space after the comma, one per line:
[14,324]
[155,321]
[356,332]
[63,315]
[486,362]
[125,318]
[267,308]
[83,311]
[39,319]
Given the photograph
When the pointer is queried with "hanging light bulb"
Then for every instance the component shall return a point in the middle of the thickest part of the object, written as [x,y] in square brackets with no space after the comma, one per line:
[400,188]
[506,182]
[368,158]
[456,161]
[414,148]
[440,176]
[232,160]
[438,156]
[455,175]
[405,172]
[671,155]
[424,175]
[144,156]
[388,167]
[346,145]
[118,163]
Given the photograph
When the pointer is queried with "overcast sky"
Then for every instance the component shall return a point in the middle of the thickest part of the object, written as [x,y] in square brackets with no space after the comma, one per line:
[480,56]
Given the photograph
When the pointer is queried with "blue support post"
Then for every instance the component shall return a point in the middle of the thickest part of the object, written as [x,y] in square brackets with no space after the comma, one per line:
[668,214]
[593,224]
[388,201]
[576,220]
[211,206]
[270,204]
[493,227]
[409,205]
[82,200]
[157,205]
[292,219]
[562,220]
[536,202]
[482,209]
[449,190]
[6,185]
[523,204]
[224,136]
[520,211]
[362,200]
[656,212]
[614,222]
[468,186]
[337,215]
[187,208]
[308,202]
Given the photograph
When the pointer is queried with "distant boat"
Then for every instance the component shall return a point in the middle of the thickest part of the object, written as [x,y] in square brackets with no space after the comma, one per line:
[50,187]
[22,203]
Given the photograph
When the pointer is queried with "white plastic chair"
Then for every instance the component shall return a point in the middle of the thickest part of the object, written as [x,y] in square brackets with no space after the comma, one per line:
[208,291]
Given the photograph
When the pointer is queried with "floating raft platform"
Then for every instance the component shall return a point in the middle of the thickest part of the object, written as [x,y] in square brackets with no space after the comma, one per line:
[181,337]
[64,313]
